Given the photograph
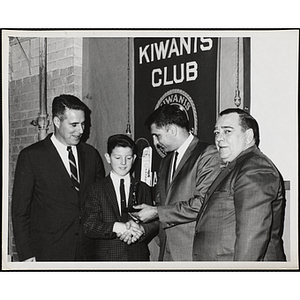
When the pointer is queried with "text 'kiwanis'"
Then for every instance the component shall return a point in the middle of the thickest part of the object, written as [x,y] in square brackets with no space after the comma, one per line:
[175,74]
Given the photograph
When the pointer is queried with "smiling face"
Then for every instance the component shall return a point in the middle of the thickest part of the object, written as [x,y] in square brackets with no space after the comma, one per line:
[121,160]
[230,138]
[69,128]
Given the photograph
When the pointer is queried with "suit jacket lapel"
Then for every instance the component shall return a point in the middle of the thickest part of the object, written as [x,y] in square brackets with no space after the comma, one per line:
[132,182]
[81,163]
[109,187]
[55,158]
[188,153]
[186,156]
[224,173]
[165,172]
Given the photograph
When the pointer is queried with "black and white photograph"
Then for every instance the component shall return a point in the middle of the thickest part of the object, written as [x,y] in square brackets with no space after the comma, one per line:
[150,149]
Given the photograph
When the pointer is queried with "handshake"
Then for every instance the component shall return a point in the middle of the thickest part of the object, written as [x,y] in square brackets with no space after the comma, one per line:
[129,232]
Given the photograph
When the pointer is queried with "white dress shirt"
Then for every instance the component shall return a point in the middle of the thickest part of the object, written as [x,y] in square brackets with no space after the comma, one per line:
[181,150]
[64,154]
[116,182]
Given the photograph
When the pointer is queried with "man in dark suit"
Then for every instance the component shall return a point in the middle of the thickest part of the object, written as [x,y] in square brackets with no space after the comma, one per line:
[196,166]
[241,217]
[108,203]
[50,187]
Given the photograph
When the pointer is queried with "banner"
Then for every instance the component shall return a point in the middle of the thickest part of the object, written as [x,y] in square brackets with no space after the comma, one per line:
[178,71]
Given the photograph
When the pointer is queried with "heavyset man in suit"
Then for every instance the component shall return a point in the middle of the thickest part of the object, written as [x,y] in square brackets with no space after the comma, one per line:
[48,200]
[196,166]
[241,216]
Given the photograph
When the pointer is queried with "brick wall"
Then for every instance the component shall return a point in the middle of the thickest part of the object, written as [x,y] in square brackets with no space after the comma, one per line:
[64,76]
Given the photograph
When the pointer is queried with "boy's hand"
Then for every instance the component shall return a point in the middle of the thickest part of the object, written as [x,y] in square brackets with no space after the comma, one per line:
[129,232]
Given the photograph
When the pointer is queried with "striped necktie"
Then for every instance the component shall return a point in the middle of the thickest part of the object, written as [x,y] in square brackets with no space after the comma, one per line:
[73,168]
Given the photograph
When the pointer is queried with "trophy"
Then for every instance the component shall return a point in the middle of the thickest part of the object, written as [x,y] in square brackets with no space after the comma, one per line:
[134,198]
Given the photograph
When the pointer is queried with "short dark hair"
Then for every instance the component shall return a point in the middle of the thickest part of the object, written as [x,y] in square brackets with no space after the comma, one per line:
[60,103]
[246,121]
[168,114]
[120,140]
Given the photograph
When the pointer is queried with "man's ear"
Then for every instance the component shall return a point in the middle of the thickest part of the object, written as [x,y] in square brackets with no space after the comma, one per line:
[107,157]
[56,121]
[249,136]
[173,129]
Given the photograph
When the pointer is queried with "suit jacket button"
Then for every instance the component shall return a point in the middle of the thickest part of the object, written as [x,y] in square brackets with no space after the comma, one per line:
[76,233]
[196,232]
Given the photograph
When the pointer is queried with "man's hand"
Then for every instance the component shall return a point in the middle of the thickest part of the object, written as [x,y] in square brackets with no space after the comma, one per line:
[129,232]
[135,230]
[146,214]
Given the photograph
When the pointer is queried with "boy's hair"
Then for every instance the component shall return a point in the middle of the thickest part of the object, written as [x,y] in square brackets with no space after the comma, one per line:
[168,114]
[120,140]
[62,102]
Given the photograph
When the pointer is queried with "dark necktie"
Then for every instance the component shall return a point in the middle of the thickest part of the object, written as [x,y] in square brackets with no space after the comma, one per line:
[73,168]
[124,215]
[174,163]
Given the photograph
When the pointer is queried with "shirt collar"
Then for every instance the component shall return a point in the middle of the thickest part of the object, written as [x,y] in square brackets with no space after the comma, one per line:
[233,162]
[60,145]
[181,150]
[115,177]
